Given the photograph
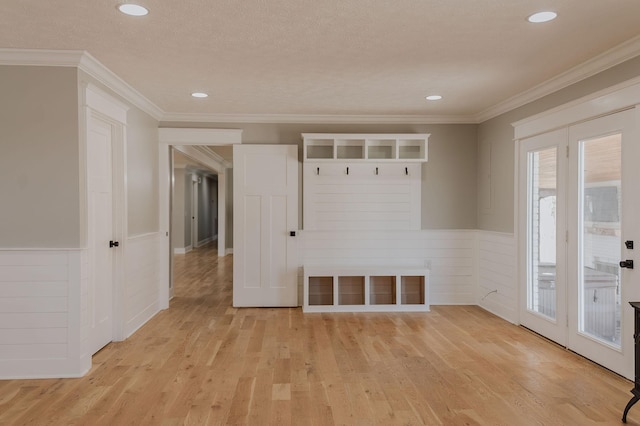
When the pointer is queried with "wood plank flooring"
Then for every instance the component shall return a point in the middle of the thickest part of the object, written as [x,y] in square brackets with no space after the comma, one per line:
[203,362]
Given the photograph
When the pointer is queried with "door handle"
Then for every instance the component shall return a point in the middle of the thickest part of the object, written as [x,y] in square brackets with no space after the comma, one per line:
[626,264]
[292,233]
[113,244]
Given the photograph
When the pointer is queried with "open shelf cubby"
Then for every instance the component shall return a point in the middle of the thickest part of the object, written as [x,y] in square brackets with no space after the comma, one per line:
[351,290]
[381,149]
[382,290]
[350,149]
[321,149]
[411,150]
[320,290]
[412,290]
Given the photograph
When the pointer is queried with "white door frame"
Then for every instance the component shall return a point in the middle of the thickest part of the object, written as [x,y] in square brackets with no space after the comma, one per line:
[195,188]
[99,104]
[186,141]
[620,97]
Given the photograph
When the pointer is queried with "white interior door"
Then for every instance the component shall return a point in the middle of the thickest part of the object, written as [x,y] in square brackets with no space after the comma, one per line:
[100,232]
[265,211]
[603,212]
[543,165]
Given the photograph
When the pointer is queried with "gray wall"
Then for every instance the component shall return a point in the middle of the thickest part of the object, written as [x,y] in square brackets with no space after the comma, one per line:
[449,178]
[188,207]
[39,161]
[178,213]
[142,173]
[229,209]
[206,213]
[495,136]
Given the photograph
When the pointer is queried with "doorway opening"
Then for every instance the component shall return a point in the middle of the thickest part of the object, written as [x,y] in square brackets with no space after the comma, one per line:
[212,150]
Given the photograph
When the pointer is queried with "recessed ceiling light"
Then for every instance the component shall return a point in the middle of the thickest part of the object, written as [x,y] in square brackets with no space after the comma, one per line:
[199,95]
[539,17]
[434,97]
[133,9]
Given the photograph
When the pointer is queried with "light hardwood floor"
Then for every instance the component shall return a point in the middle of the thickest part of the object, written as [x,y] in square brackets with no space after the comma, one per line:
[204,362]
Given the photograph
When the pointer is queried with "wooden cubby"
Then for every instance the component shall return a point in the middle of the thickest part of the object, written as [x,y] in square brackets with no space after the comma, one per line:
[382,290]
[412,290]
[321,291]
[351,290]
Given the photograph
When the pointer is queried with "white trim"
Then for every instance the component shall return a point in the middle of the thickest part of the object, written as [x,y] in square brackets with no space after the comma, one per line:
[202,155]
[41,57]
[97,70]
[104,103]
[621,96]
[318,118]
[203,242]
[87,63]
[623,52]
[228,251]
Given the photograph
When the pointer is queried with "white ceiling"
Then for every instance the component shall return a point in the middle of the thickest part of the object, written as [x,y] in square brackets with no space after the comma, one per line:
[315,57]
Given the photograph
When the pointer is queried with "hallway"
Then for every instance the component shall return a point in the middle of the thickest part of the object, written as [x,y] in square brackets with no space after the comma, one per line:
[204,362]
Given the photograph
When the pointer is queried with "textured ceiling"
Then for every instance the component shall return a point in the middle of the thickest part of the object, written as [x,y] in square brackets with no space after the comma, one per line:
[374,57]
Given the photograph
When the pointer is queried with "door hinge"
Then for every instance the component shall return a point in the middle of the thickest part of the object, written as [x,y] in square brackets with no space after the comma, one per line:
[567,320]
[567,151]
[566,236]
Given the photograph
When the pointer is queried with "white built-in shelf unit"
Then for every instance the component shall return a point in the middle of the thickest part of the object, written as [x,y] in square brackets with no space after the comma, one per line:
[372,147]
[356,184]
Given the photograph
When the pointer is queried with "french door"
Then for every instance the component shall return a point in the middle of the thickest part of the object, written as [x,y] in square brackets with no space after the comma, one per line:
[582,186]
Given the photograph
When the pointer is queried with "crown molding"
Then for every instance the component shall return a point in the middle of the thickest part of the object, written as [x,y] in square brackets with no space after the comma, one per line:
[39,57]
[206,150]
[623,52]
[97,70]
[316,119]
[87,63]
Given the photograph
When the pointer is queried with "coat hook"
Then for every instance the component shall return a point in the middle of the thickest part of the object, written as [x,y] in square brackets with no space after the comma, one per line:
[347,170]
[406,171]
[318,170]
[376,170]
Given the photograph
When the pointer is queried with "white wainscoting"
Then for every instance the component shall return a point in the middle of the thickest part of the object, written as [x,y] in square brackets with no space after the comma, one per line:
[449,254]
[497,260]
[142,281]
[41,314]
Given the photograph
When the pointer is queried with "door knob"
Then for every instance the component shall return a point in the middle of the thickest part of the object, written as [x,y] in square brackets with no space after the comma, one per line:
[113,244]
[292,233]
[626,264]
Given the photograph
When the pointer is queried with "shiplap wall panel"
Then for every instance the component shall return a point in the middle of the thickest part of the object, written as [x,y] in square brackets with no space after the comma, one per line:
[497,260]
[28,336]
[41,320]
[450,256]
[40,314]
[27,289]
[31,353]
[142,275]
[361,200]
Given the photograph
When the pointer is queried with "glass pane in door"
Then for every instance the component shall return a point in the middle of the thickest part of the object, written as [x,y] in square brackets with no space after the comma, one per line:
[541,262]
[599,239]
